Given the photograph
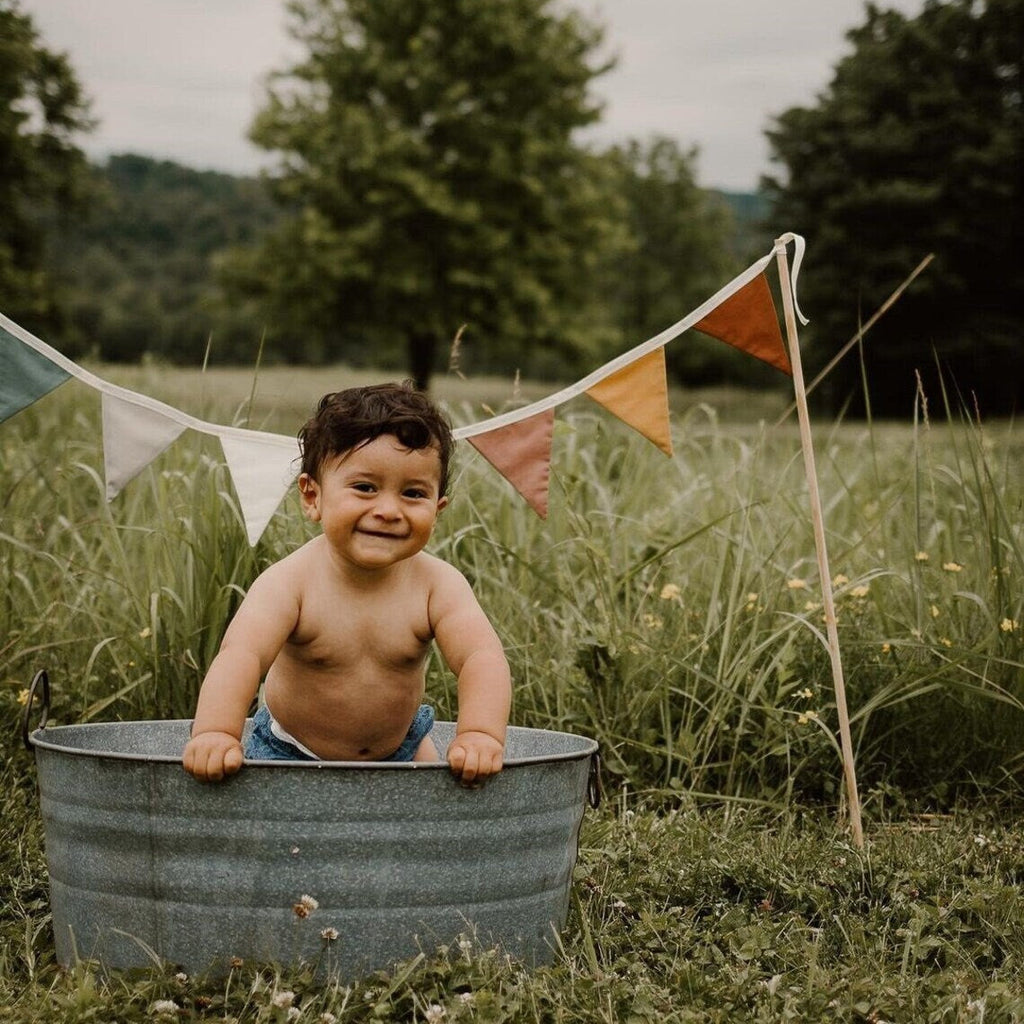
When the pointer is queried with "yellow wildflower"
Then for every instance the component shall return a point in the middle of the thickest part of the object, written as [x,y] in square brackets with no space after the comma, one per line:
[861,591]
[886,647]
[796,584]
[839,579]
[145,634]
[935,611]
[945,641]
[921,556]
[1007,626]
[23,696]
[952,566]
[807,693]
[653,621]
[670,592]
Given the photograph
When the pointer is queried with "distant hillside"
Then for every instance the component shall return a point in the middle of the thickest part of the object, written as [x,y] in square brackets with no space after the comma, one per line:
[750,211]
[138,274]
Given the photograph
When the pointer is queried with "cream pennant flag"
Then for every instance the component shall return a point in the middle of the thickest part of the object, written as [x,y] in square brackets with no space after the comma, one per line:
[133,436]
[638,395]
[262,468]
[521,453]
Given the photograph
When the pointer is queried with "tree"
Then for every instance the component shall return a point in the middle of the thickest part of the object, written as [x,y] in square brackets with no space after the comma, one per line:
[429,167]
[915,147]
[679,255]
[43,174]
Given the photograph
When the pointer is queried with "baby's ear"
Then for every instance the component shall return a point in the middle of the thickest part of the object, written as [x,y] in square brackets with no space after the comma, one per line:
[442,503]
[309,491]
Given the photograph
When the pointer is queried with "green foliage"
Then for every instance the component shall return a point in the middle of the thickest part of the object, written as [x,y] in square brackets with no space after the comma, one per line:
[670,609]
[915,147]
[137,273]
[432,180]
[684,917]
[42,171]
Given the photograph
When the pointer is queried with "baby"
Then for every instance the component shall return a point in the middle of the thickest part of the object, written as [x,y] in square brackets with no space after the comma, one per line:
[341,628]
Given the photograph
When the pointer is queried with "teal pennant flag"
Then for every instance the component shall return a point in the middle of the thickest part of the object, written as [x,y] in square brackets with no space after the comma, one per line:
[25,375]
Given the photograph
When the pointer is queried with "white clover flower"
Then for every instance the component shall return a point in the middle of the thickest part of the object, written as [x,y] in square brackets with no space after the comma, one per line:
[328,1018]
[434,1013]
[329,934]
[283,1000]
[164,1006]
[467,997]
[294,1013]
[305,906]
[181,977]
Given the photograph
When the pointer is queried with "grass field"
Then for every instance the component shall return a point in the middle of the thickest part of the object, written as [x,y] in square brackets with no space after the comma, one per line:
[670,609]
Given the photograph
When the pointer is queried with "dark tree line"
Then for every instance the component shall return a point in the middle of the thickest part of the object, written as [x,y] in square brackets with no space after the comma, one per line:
[915,147]
[429,176]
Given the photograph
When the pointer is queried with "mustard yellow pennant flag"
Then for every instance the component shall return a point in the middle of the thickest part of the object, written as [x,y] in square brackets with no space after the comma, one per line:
[638,395]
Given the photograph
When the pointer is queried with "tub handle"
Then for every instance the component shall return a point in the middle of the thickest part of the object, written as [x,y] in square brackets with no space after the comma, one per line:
[594,788]
[41,679]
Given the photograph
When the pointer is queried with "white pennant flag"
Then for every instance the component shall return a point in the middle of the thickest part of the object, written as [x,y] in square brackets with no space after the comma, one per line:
[133,436]
[262,468]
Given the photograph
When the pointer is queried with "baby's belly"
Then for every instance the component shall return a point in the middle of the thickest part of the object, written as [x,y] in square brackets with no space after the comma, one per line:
[345,721]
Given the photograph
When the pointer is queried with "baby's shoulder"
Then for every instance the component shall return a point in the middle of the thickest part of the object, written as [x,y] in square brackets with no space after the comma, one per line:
[436,570]
[290,572]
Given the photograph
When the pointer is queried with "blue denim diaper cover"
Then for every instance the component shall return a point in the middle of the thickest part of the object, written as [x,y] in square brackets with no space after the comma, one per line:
[263,745]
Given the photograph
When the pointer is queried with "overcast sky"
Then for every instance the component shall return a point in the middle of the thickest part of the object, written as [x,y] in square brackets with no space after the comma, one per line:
[180,79]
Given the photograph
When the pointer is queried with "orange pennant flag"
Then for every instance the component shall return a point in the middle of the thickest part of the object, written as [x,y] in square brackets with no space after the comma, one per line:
[521,453]
[638,395]
[748,321]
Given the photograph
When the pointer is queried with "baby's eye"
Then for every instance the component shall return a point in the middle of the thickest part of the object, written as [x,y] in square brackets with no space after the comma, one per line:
[415,492]
[364,488]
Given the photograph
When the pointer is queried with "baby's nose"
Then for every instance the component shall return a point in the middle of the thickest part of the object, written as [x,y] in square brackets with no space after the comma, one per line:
[386,506]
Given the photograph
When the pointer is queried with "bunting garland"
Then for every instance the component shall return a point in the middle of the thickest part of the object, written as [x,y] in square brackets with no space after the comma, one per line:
[633,387]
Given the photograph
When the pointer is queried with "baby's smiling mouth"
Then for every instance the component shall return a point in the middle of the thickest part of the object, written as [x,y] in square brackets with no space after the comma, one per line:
[382,533]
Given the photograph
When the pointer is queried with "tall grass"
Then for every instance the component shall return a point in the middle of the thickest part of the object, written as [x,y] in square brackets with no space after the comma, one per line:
[668,607]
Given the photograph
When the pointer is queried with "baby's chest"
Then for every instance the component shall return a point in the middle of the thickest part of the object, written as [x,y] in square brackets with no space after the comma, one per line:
[337,637]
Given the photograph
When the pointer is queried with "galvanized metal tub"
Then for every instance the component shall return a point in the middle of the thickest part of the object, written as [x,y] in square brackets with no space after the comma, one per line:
[146,862]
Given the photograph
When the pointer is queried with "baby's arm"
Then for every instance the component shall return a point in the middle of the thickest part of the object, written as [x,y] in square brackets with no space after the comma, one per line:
[259,629]
[471,648]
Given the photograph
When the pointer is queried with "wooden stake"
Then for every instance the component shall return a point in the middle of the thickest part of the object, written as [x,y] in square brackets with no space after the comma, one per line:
[817,519]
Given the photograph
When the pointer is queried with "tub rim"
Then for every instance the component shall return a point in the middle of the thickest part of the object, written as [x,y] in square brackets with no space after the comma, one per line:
[39,739]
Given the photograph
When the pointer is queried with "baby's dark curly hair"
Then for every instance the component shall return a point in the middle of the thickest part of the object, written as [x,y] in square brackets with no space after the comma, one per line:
[348,419]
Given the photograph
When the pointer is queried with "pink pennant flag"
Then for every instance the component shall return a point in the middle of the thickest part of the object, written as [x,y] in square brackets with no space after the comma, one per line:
[133,436]
[638,395]
[748,321]
[521,453]
[262,468]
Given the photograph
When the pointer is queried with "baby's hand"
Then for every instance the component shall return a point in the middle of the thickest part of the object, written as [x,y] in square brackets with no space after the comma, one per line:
[212,755]
[473,756]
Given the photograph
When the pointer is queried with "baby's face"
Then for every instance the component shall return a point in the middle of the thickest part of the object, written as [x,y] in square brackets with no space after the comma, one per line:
[377,504]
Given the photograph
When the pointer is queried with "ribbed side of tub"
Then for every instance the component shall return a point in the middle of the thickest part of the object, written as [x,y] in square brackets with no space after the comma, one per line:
[145,861]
